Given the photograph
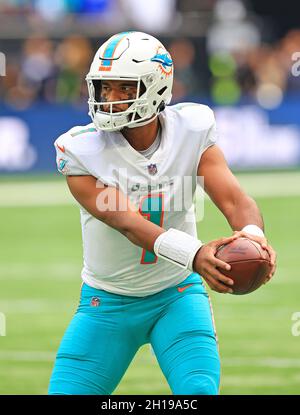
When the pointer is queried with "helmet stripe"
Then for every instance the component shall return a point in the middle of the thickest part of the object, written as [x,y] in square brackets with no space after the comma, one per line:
[110,50]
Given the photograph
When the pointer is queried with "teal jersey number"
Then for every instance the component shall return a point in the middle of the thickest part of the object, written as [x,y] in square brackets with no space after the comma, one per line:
[152,208]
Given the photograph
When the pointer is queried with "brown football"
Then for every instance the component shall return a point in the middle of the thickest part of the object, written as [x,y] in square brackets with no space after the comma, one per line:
[250,264]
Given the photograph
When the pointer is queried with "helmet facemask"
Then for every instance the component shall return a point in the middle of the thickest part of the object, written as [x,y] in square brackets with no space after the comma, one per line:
[139,112]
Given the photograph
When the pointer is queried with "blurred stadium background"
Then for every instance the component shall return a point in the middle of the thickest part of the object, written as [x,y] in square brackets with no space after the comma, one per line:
[239,57]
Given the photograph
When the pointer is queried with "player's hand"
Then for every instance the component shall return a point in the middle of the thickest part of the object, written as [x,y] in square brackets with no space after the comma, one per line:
[265,245]
[205,263]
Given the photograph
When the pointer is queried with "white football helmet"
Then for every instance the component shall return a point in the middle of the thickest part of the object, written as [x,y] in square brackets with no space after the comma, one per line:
[131,56]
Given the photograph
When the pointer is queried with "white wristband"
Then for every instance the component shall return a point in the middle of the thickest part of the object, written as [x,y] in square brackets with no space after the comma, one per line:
[177,247]
[253,230]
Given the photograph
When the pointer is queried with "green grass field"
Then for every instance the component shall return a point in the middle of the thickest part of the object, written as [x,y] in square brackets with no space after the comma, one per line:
[40,263]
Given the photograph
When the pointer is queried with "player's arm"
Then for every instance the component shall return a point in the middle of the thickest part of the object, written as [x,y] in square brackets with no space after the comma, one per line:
[239,209]
[111,206]
[225,191]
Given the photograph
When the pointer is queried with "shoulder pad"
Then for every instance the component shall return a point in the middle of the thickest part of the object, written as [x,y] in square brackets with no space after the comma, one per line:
[81,139]
[197,117]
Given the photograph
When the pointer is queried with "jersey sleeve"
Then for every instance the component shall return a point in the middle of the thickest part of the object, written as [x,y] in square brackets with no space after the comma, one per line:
[211,136]
[207,137]
[66,160]
[199,130]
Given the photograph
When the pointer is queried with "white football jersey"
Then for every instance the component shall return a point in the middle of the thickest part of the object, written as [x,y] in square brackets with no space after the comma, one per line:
[162,187]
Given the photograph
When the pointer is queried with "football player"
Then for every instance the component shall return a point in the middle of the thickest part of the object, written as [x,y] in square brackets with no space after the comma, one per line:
[134,172]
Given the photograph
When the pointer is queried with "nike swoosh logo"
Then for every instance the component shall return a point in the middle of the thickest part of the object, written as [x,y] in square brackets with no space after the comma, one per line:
[62,148]
[180,289]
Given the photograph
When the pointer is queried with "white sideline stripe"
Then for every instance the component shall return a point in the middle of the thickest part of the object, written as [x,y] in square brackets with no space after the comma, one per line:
[14,306]
[261,362]
[59,271]
[35,194]
[49,193]
[23,356]
[269,380]
[265,185]
[44,356]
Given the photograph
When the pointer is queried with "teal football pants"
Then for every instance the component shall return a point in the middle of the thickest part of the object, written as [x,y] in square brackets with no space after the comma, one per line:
[108,329]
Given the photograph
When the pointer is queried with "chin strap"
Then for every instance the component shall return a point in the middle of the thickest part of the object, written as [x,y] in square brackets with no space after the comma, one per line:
[160,108]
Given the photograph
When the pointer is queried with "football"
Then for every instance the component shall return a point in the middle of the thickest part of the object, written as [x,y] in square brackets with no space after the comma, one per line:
[250,264]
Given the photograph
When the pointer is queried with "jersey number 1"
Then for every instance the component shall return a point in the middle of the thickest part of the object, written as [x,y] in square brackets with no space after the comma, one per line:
[152,208]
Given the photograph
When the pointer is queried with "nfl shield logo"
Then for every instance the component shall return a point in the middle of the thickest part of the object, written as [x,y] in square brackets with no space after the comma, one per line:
[152,169]
[95,302]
